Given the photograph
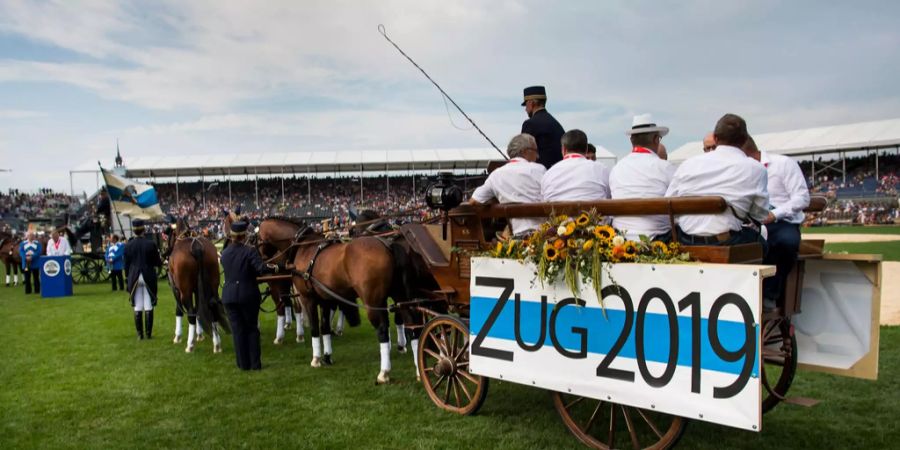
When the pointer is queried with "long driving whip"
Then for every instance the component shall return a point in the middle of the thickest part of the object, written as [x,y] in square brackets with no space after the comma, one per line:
[383,32]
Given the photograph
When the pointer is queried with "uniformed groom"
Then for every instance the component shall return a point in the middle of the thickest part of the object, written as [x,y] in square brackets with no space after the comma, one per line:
[540,124]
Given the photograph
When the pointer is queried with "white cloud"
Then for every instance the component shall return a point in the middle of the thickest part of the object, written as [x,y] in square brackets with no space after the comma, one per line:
[11,114]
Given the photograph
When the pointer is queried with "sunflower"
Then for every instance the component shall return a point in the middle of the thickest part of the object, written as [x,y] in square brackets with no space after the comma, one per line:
[588,245]
[630,249]
[570,228]
[572,244]
[604,232]
[661,247]
[550,253]
[582,220]
[561,218]
[559,244]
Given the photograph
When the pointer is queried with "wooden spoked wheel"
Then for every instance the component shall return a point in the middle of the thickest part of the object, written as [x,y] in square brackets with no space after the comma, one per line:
[605,425]
[102,273]
[444,367]
[82,270]
[779,352]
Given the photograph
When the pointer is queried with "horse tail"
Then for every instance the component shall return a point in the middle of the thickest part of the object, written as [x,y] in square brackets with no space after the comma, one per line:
[204,311]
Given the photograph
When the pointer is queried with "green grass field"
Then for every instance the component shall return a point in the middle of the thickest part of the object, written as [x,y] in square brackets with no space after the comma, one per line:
[74,376]
[855,229]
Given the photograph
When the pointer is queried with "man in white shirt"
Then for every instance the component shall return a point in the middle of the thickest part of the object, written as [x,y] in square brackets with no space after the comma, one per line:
[788,197]
[709,143]
[518,181]
[575,178]
[58,246]
[642,174]
[728,173]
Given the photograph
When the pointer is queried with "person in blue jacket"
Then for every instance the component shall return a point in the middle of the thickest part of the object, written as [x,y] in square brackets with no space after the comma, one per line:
[30,251]
[115,258]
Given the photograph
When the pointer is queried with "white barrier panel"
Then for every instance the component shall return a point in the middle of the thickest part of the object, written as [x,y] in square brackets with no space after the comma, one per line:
[680,339]
[837,329]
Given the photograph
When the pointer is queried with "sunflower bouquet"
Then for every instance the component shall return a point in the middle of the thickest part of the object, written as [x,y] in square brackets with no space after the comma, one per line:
[575,249]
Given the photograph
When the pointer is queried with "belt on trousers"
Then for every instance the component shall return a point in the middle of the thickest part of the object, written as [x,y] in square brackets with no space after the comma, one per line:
[714,239]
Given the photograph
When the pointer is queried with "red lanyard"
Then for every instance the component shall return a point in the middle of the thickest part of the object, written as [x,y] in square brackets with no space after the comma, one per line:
[573,155]
[514,160]
[640,150]
[56,244]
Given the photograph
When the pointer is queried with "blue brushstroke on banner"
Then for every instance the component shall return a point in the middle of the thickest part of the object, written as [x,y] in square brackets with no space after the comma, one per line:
[603,332]
[145,199]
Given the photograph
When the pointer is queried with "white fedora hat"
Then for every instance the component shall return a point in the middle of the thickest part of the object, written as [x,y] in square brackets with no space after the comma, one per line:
[643,123]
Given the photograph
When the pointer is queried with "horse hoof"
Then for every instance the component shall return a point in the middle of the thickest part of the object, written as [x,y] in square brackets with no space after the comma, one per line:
[287,326]
[418,378]
[189,350]
[316,362]
[401,348]
[277,341]
[217,349]
[177,339]
[201,338]
[301,339]
[383,378]
[338,332]
[326,360]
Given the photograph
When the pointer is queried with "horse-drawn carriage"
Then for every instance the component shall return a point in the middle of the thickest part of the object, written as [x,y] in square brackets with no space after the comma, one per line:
[479,331]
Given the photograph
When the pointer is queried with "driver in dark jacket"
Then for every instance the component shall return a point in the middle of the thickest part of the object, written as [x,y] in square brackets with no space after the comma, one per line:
[240,295]
[141,262]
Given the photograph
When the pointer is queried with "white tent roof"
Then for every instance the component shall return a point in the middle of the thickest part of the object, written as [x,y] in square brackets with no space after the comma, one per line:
[857,136]
[302,162]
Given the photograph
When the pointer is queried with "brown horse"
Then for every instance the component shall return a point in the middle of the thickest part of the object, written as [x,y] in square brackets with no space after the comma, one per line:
[273,241]
[9,254]
[194,277]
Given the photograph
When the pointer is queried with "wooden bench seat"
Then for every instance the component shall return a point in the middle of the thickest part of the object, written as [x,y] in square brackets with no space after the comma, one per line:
[726,254]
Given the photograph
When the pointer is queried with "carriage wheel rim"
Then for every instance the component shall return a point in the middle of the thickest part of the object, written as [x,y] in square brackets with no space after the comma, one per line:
[779,362]
[609,425]
[443,362]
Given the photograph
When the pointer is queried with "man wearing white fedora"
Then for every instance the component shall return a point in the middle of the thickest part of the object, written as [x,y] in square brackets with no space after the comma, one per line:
[644,173]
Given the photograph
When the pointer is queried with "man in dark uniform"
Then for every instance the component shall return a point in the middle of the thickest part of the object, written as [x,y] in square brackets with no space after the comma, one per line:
[240,295]
[540,124]
[141,262]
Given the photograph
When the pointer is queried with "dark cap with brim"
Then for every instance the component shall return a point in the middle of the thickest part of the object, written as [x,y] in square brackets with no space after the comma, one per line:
[534,93]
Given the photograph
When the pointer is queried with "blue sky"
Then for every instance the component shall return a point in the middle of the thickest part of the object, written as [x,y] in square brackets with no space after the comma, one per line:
[222,76]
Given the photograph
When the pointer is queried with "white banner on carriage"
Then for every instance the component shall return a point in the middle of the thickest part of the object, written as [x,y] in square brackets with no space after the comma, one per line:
[678,339]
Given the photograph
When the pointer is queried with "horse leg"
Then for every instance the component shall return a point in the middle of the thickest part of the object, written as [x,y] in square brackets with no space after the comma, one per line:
[381,322]
[179,316]
[325,330]
[275,292]
[200,335]
[314,332]
[192,333]
[8,271]
[288,313]
[298,317]
[413,335]
[217,340]
[401,332]
[339,327]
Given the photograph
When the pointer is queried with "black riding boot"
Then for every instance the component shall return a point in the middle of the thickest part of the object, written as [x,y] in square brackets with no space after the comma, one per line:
[139,324]
[149,321]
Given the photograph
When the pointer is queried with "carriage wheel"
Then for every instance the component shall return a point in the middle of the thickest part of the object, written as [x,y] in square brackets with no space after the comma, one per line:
[606,425]
[81,271]
[95,270]
[444,367]
[779,360]
[102,273]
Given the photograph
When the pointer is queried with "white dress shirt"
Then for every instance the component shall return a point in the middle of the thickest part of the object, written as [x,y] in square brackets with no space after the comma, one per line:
[728,173]
[788,193]
[641,174]
[59,247]
[575,178]
[517,181]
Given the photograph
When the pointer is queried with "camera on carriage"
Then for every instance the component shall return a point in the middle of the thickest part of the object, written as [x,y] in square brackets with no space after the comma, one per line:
[443,194]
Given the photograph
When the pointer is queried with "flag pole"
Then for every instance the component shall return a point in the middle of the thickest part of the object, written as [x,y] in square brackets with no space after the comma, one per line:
[111,202]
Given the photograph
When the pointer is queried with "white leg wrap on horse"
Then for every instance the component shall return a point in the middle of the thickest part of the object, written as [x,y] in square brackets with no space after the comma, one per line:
[385,348]
[7,278]
[414,346]
[199,328]
[401,335]
[298,318]
[288,315]
[279,329]
[192,333]
[317,347]
[178,325]
[326,342]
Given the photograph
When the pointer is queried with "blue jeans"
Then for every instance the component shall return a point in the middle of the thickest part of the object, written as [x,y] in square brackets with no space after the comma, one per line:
[784,244]
[744,236]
